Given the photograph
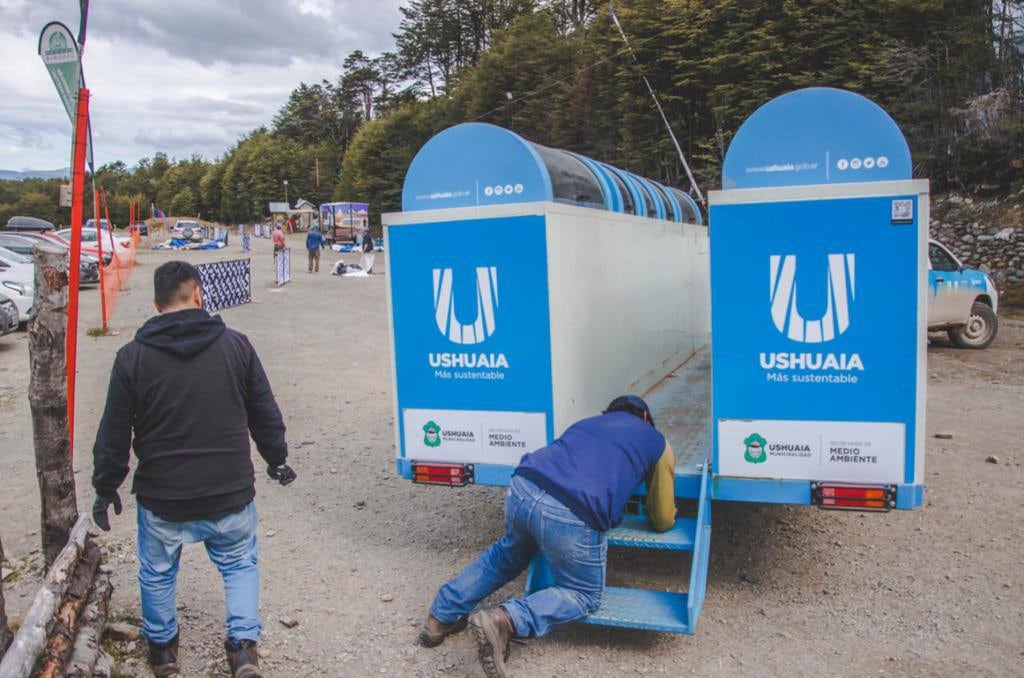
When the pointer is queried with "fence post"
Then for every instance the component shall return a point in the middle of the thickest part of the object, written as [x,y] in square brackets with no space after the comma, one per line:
[47,396]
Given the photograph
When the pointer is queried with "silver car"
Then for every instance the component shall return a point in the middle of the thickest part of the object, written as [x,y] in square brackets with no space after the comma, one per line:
[188,230]
[961,301]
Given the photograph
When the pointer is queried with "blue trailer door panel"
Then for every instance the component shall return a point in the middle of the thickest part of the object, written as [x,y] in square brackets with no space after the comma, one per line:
[816,338]
[471,338]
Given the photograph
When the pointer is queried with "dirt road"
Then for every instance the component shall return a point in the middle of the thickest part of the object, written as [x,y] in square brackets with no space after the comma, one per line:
[354,554]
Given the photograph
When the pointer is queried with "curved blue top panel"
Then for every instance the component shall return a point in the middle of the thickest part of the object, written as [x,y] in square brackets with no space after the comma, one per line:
[818,135]
[639,204]
[612,199]
[475,164]
[691,206]
[659,205]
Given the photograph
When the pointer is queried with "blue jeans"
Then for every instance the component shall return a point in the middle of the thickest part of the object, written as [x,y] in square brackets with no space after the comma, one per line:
[534,521]
[231,544]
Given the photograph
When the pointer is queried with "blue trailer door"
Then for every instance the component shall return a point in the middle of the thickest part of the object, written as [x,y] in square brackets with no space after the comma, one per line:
[816,338]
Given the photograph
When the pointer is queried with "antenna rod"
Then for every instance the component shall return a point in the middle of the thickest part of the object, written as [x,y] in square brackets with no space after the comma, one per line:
[679,150]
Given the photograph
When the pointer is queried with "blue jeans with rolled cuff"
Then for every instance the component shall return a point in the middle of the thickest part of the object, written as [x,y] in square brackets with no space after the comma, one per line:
[231,545]
[534,521]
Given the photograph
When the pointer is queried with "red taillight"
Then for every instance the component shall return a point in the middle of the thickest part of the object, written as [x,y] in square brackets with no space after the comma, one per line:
[437,473]
[854,497]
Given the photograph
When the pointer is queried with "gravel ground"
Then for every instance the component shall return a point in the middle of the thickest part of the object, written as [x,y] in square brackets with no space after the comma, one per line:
[353,553]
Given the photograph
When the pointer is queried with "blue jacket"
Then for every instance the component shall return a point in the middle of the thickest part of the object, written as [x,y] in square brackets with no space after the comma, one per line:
[314,240]
[596,465]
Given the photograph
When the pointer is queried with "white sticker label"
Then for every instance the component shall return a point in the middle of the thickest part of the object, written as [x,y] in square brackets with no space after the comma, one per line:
[477,436]
[902,211]
[812,450]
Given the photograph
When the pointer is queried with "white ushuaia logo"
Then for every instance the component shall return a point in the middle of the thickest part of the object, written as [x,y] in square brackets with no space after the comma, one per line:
[839,298]
[486,303]
[476,332]
[840,293]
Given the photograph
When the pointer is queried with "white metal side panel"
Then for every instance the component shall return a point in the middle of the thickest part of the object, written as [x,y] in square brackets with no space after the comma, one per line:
[629,302]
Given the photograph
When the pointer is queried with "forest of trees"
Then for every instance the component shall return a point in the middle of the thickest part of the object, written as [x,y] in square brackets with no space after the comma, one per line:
[951,73]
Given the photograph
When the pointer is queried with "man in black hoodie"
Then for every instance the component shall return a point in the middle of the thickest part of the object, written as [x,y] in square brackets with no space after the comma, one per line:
[192,391]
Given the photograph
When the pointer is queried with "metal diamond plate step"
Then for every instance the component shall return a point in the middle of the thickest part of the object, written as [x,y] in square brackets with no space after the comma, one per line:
[636,532]
[641,609]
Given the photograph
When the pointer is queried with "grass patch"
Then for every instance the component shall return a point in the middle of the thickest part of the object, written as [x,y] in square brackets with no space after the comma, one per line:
[98,332]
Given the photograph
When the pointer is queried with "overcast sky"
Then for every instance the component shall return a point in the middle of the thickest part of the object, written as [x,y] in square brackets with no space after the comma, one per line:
[181,76]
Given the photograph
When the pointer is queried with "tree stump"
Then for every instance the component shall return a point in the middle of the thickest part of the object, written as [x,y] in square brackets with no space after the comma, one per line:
[47,396]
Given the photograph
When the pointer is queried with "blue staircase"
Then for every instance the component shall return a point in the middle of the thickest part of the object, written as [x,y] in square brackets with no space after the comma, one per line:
[663,611]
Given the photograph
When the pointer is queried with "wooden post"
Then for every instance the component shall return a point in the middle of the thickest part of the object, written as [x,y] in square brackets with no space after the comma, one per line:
[47,396]
[5,631]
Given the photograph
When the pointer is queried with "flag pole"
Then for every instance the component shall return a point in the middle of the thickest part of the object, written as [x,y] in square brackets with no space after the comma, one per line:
[75,256]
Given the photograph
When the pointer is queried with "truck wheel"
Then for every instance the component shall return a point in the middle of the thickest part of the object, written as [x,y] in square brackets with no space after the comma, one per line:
[980,329]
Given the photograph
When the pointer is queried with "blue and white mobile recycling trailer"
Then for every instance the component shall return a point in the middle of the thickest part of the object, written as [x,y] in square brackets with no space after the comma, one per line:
[528,286]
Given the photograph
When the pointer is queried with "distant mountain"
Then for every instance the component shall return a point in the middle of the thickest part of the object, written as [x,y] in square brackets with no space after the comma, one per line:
[11,175]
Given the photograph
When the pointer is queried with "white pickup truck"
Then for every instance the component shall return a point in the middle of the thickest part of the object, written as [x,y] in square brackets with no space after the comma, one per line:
[962,301]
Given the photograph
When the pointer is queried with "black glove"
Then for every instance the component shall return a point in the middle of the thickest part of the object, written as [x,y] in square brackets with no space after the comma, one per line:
[282,474]
[99,510]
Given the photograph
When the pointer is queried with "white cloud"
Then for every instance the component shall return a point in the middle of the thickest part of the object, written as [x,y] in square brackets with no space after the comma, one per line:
[182,77]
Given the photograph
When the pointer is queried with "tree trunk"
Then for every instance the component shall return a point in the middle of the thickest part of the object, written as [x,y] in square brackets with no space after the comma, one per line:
[5,631]
[86,653]
[47,396]
[31,637]
[65,627]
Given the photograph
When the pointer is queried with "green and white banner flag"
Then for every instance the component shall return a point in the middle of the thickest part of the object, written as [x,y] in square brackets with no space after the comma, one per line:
[59,51]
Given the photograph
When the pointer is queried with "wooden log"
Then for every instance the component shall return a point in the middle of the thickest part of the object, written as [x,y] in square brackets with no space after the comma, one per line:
[86,652]
[5,631]
[30,639]
[47,396]
[62,632]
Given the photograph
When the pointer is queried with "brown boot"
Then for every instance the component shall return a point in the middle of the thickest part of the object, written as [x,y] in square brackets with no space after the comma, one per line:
[242,658]
[493,630]
[434,630]
[163,658]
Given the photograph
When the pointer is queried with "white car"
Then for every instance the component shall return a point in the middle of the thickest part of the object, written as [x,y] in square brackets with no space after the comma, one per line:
[123,240]
[187,230]
[89,239]
[17,280]
[961,301]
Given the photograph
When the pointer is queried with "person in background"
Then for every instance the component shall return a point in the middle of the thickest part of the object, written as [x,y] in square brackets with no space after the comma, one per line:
[194,480]
[561,502]
[314,243]
[366,261]
[278,237]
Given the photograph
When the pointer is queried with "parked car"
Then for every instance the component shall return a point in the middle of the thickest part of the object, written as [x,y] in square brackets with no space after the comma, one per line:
[185,229]
[22,243]
[29,224]
[17,281]
[90,240]
[141,226]
[8,315]
[90,225]
[962,301]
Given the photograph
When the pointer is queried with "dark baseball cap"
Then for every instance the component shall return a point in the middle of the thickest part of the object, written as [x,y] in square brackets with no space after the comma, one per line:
[632,404]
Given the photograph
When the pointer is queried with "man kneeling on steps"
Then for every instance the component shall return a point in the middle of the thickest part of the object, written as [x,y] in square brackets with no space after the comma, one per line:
[561,502]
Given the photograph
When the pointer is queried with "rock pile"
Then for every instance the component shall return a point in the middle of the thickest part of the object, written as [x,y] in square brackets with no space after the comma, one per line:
[984,234]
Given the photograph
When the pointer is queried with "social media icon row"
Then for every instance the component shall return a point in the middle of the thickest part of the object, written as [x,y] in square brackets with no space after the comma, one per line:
[507,189]
[881,162]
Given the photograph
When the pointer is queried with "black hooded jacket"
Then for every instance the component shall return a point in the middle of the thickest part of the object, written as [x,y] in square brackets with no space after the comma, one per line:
[191,390]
